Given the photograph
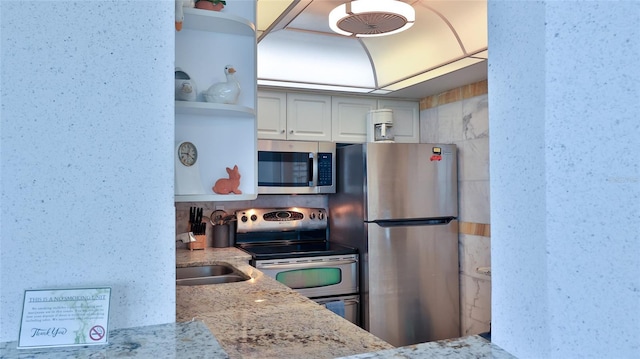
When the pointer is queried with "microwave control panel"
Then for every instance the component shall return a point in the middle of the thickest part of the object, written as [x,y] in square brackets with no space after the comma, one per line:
[325,169]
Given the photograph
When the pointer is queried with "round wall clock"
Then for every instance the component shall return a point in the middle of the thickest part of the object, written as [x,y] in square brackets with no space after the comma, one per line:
[187,153]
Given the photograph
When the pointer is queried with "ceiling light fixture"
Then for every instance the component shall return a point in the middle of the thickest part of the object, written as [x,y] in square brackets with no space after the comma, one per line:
[369,18]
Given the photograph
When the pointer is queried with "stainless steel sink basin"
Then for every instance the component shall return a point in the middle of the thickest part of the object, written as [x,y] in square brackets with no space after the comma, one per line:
[209,274]
[203,271]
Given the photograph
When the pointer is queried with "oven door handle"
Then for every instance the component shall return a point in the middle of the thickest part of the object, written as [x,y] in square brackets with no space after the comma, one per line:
[305,264]
[346,301]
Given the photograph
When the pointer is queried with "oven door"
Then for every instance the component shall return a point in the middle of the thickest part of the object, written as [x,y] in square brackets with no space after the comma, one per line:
[315,276]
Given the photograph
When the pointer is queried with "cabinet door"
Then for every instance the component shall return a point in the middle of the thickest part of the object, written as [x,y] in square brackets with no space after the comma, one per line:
[406,119]
[349,118]
[308,117]
[272,115]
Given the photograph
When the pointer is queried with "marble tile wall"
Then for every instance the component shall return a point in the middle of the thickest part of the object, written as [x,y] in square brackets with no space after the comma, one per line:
[460,116]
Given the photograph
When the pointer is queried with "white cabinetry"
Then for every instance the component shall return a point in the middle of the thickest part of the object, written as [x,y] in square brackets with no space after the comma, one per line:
[294,116]
[308,117]
[317,117]
[349,118]
[225,135]
[406,119]
[272,115]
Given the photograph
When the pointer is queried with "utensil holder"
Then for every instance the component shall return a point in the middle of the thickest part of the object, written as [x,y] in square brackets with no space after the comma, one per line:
[200,243]
[232,233]
[221,236]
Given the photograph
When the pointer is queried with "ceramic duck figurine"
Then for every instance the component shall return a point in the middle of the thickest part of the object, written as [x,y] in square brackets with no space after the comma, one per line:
[179,15]
[224,92]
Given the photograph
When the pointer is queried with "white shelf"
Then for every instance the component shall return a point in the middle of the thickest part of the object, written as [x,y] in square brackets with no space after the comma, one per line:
[213,109]
[214,197]
[224,134]
[216,21]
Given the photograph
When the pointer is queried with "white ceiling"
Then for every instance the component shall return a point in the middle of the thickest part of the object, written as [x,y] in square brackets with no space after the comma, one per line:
[446,48]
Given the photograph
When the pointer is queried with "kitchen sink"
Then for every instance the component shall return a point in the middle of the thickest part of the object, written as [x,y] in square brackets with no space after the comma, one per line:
[209,274]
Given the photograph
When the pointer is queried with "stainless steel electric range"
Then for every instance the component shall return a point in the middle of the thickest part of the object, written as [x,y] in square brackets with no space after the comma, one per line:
[292,246]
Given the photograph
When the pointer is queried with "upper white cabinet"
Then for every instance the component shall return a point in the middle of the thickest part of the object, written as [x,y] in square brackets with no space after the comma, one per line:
[349,118]
[224,134]
[293,116]
[308,117]
[406,119]
[272,115]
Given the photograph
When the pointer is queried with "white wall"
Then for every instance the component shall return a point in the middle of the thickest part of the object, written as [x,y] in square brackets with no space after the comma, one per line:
[564,94]
[86,155]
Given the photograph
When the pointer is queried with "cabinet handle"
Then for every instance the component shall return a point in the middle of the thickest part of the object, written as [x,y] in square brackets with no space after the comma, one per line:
[290,131]
[282,131]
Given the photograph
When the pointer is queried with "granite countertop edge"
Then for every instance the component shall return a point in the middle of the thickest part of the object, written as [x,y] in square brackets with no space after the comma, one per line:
[172,340]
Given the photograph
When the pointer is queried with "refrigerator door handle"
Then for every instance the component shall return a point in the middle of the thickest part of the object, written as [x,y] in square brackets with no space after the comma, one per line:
[413,222]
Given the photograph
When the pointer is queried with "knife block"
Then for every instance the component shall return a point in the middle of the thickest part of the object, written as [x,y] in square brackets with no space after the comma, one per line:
[200,243]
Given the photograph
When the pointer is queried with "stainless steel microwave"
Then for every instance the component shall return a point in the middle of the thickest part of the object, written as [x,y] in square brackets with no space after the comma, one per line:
[296,167]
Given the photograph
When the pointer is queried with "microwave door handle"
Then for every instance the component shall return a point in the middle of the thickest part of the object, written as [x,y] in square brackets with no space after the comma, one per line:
[311,170]
[305,264]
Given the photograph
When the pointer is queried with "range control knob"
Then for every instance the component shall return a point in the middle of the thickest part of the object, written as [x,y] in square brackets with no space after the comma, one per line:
[254,217]
[321,215]
[312,216]
[244,218]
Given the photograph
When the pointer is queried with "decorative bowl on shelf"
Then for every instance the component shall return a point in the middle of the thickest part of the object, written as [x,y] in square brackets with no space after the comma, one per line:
[185,86]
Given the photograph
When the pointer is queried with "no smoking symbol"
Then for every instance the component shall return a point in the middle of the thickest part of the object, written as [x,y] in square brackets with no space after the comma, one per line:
[97,332]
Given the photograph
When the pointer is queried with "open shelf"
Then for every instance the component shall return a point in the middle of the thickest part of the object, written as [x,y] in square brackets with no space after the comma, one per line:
[225,135]
[213,109]
[215,197]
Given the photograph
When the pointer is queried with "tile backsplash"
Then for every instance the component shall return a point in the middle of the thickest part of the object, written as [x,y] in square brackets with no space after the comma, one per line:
[263,201]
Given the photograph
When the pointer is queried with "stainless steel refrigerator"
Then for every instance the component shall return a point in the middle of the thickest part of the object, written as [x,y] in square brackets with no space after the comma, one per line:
[398,203]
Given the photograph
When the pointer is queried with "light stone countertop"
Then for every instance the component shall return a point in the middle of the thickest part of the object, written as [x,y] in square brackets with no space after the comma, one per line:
[262,318]
[471,347]
[164,341]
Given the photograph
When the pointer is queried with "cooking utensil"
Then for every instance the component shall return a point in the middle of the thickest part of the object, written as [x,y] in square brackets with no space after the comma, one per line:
[217,217]
[227,219]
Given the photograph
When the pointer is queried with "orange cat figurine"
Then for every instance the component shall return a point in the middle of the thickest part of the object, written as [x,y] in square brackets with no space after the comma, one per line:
[228,185]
